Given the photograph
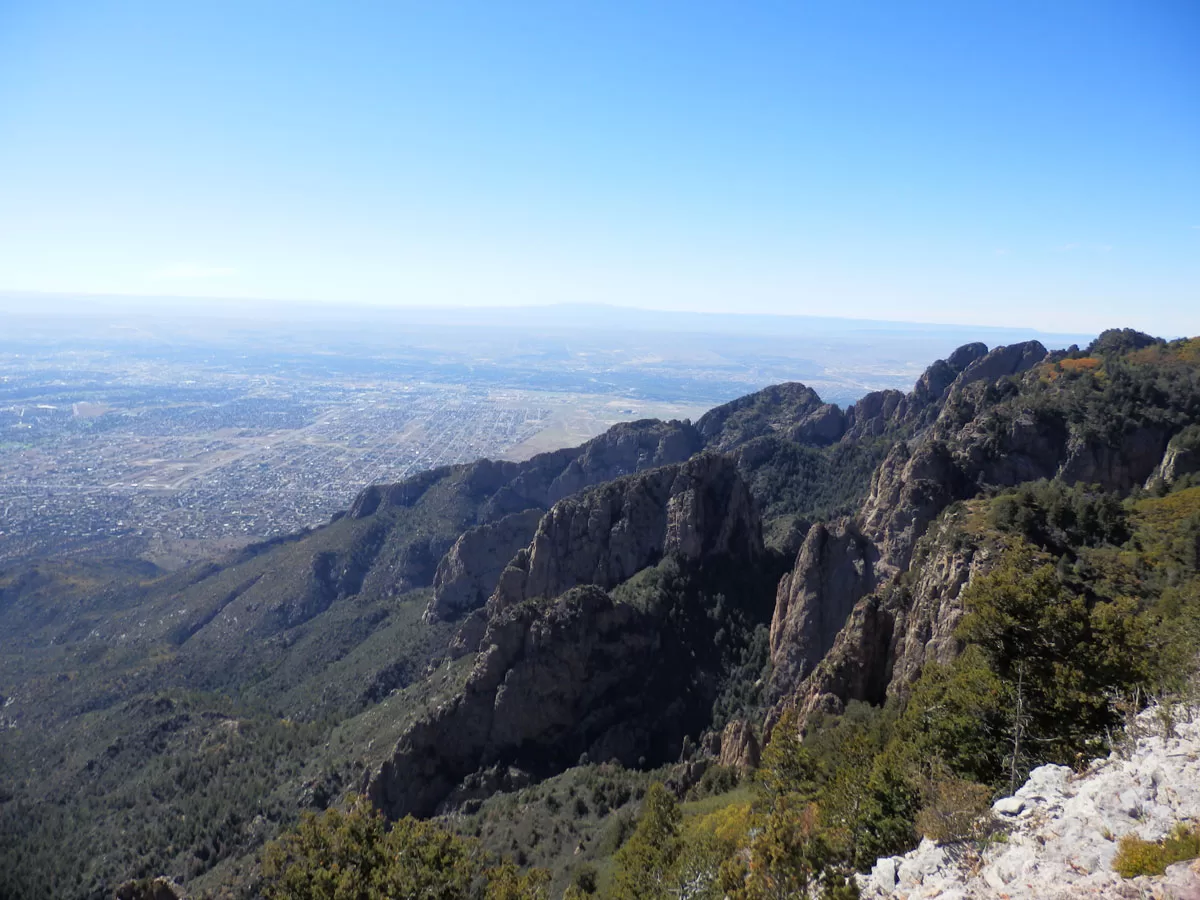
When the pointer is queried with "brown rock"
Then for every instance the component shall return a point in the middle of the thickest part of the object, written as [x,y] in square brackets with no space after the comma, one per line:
[833,571]
[468,573]
[582,675]
[1178,461]
[605,535]
[739,746]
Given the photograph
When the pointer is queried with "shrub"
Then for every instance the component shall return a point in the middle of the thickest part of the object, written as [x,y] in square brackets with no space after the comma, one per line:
[1137,857]
[953,809]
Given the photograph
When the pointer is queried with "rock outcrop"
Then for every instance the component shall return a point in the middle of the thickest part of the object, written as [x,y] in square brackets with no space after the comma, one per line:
[844,626]
[1181,459]
[1063,829]
[739,746]
[1001,362]
[833,571]
[468,573]
[606,535]
[502,488]
[908,491]
[893,632]
[875,414]
[428,512]
[790,408]
[580,675]
[1118,465]
[574,671]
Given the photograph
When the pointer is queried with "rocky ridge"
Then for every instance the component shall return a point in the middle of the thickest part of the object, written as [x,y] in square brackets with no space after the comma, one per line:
[1062,828]
[845,628]
[468,573]
[830,599]
[846,624]
[435,508]
[562,668]
[604,536]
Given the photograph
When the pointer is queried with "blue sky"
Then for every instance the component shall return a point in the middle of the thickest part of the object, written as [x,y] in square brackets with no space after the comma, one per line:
[1031,164]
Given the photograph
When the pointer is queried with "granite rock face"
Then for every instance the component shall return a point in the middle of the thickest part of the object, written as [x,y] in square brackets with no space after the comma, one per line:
[606,535]
[1001,362]
[581,674]
[443,503]
[468,573]
[739,746]
[789,408]
[833,571]
[561,668]
[908,491]
[894,631]
[874,414]
[844,627]
[1179,460]
[1063,829]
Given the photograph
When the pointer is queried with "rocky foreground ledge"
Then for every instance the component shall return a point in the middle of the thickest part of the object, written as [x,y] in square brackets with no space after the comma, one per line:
[1060,831]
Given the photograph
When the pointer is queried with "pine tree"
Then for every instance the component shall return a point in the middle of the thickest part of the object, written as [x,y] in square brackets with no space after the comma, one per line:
[646,860]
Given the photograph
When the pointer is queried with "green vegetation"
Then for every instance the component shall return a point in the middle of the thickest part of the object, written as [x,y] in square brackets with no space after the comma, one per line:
[718,617]
[798,484]
[205,788]
[1137,857]
[1060,518]
[1090,601]
[648,863]
[147,776]
[1156,387]
[775,840]
[354,855]
[1105,606]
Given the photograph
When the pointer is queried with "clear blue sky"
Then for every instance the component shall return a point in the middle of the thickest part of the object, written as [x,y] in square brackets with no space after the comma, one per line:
[1033,164]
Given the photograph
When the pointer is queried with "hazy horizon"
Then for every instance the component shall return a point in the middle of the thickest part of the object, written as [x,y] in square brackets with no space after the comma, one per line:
[50,304]
[1015,164]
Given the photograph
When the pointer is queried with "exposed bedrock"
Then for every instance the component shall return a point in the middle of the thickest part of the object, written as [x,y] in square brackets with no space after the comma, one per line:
[562,669]
[833,571]
[468,573]
[582,674]
[845,626]
[604,536]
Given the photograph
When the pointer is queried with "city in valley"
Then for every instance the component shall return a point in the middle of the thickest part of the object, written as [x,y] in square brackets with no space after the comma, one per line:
[163,462]
[131,434]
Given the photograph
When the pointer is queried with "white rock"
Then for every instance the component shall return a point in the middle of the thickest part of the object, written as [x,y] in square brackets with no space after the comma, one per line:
[884,874]
[1008,806]
[1063,831]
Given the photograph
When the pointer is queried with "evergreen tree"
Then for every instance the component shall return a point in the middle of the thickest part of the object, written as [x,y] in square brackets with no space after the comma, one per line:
[645,862]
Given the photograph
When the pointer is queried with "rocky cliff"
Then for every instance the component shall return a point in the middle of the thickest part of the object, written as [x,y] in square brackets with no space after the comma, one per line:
[469,571]
[604,536]
[550,684]
[562,668]
[833,571]
[894,630]
[844,626]
[432,510]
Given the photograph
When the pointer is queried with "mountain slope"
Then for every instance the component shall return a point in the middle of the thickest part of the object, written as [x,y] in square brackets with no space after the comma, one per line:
[477,628]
